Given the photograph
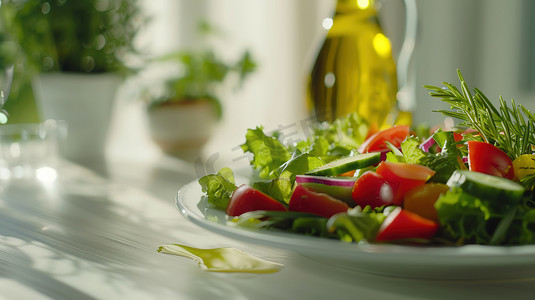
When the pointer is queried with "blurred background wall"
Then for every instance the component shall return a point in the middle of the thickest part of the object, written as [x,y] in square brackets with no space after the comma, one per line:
[491,41]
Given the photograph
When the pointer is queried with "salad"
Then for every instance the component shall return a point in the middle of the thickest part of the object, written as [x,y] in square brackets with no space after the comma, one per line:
[471,185]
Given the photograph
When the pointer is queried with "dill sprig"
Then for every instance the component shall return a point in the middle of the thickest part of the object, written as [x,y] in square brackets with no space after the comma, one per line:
[510,128]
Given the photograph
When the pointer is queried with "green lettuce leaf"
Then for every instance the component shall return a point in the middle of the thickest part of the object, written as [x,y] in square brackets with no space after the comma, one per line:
[279,189]
[320,147]
[464,218]
[299,164]
[280,186]
[218,188]
[522,229]
[339,138]
[448,160]
[289,221]
[268,152]
[412,152]
[314,226]
[467,219]
[327,141]
[356,226]
[395,155]
[443,163]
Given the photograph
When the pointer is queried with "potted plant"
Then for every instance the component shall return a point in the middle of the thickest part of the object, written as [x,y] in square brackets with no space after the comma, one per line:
[77,51]
[8,52]
[183,111]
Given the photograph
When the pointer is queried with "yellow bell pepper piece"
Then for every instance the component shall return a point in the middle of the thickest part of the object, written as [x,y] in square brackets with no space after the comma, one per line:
[524,165]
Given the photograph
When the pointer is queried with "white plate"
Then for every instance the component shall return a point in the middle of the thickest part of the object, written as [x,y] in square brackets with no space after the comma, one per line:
[452,263]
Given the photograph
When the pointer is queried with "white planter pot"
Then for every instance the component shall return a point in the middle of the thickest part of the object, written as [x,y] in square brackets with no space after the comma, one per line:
[183,128]
[85,103]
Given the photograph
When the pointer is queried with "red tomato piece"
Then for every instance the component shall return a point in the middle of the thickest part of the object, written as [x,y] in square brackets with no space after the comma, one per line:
[403,177]
[402,224]
[487,158]
[377,142]
[457,136]
[373,190]
[246,199]
[306,200]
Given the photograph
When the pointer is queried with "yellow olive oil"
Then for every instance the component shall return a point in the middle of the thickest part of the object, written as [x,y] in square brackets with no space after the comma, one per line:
[354,70]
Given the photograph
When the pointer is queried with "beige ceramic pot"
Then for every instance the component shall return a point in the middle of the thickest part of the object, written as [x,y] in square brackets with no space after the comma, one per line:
[182,128]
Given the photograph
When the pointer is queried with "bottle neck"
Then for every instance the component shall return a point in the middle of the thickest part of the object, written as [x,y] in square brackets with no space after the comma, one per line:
[352,6]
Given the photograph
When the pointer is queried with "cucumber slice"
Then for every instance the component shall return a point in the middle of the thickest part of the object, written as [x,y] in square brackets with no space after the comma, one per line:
[486,187]
[347,164]
[338,187]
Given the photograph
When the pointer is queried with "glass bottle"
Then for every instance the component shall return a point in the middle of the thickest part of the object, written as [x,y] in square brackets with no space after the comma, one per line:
[354,70]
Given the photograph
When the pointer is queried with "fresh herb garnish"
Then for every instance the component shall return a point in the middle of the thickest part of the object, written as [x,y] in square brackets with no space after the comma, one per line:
[509,128]
[443,163]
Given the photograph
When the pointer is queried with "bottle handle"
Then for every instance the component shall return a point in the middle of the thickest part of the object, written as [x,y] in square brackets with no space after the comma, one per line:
[405,54]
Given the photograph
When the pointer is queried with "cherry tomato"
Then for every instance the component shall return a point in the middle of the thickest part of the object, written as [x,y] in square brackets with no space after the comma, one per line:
[377,142]
[402,224]
[421,199]
[487,158]
[246,199]
[403,177]
[373,190]
[306,200]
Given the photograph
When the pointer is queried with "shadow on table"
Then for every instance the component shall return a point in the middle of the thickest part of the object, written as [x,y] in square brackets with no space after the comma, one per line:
[85,237]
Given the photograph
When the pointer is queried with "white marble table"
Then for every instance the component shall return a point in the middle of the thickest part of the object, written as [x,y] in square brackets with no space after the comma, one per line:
[93,234]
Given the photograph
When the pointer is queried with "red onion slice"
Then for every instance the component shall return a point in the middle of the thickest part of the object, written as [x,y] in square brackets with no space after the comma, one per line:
[427,144]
